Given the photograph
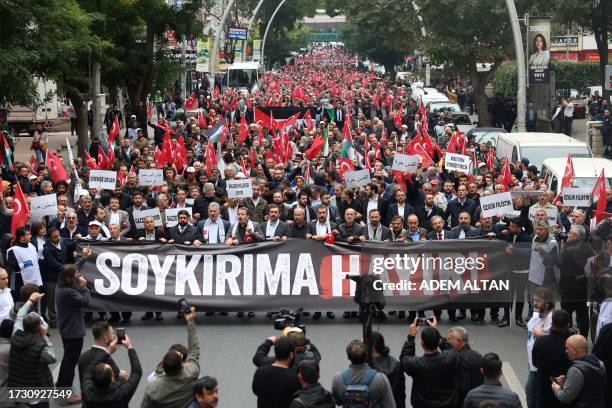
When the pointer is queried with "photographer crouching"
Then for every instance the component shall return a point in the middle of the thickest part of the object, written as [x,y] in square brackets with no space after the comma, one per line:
[288,322]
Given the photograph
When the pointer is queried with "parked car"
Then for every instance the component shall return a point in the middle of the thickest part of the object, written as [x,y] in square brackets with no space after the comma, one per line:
[486,135]
[462,121]
[538,147]
[435,106]
[586,171]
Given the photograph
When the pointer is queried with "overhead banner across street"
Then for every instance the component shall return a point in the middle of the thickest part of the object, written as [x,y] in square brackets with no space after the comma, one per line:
[295,273]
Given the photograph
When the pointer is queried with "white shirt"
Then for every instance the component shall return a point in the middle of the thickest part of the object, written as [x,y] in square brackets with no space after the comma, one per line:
[213,233]
[6,303]
[114,218]
[400,209]
[462,234]
[321,228]
[534,322]
[372,205]
[569,110]
[271,229]
[232,215]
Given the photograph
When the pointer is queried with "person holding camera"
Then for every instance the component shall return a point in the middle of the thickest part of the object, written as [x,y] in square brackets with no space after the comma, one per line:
[103,388]
[434,375]
[71,296]
[304,349]
[105,343]
[274,384]
[173,388]
[31,350]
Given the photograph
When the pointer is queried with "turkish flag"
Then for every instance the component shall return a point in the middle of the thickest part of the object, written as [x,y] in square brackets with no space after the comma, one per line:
[201,120]
[506,177]
[111,158]
[91,163]
[397,119]
[599,193]
[34,165]
[309,121]
[191,103]
[243,132]
[21,212]
[114,131]
[344,165]
[102,159]
[56,167]
[315,149]
[210,158]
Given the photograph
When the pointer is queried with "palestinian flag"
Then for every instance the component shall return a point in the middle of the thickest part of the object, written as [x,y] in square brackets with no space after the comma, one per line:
[326,142]
[214,134]
[6,159]
[331,114]
[347,143]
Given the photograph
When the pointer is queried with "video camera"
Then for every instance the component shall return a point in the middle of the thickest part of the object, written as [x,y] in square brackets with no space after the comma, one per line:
[288,318]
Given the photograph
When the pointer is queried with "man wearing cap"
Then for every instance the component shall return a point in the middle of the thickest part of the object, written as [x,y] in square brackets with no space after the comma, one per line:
[31,350]
[95,234]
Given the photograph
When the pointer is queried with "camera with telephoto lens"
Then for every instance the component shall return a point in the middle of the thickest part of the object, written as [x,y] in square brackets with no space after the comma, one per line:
[288,318]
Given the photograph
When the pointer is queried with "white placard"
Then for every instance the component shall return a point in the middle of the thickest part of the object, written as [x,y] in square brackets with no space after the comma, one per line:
[140,215]
[512,214]
[496,204]
[102,179]
[356,179]
[151,177]
[405,163]
[42,206]
[172,215]
[529,194]
[576,197]
[457,162]
[190,201]
[242,188]
[551,214]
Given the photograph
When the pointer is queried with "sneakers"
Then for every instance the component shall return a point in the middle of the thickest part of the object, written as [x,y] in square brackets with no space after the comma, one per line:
[503,323]
[316,315]
[330,315]
[147,316]
[519,322]
[158,317]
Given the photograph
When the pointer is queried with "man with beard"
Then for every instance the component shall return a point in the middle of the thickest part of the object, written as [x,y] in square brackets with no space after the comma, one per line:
[427,212]
[298,228]
[321,227]
[244,231]
[256,204]
[400,207]
[274,229]
[376,231]
[303,202]
[397,231]
[183,233]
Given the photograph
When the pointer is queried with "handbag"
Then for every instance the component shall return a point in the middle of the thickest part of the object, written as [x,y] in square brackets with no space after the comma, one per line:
[35,146]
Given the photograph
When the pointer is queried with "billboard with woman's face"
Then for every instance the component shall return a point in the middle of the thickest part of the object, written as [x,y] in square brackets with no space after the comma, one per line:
[539,54]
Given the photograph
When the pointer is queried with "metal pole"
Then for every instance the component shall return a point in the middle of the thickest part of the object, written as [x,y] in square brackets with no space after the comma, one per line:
[263,41]
[251,22]
[183,71]
[96,108]
[521,97]
[215,51]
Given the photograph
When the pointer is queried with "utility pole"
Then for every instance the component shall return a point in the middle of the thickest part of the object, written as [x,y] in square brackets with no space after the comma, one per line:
[96,103]
[184,71]
[521,94]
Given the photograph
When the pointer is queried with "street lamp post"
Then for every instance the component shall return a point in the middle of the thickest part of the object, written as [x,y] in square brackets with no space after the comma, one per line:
[215,51]
[521,95]
[251,22]
[263,41]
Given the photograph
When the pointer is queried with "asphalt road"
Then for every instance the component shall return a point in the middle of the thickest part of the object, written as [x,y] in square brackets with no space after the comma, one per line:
[228,344]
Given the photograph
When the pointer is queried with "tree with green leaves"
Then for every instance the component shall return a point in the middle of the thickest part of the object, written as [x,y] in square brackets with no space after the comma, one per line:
[382,31]
[458,32]
[594,16]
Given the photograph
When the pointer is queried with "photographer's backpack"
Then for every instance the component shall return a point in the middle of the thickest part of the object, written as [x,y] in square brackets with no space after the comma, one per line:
[357,395]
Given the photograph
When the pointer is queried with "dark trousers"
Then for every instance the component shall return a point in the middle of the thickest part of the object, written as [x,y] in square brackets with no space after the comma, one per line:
[123,315]
[532,126]
[582,315]
[518,284]
[567,125]
[72,352]
[73,125]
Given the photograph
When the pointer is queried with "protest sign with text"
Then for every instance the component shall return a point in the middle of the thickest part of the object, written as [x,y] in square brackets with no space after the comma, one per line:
[496,204]
[139,217]
[356,179]
[457,162]
[102,179]
[151,177]
[239,188]
[405,163]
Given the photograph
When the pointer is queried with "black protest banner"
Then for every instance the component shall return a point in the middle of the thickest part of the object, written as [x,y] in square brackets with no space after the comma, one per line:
[294,273]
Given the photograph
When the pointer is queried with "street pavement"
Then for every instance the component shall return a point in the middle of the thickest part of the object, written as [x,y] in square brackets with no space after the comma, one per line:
[227,346]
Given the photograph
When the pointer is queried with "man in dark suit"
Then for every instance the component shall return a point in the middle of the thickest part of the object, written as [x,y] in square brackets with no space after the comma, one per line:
[321,227]
[274,229]
[183,233]
[340,116]
[72,229]
[429,210]
[103,347]
[138,205]
[399,207]
[244,231]
[460,204]
[213,229]
[375,230]
[415,233]
[149,232]
[374,201]
[438,233]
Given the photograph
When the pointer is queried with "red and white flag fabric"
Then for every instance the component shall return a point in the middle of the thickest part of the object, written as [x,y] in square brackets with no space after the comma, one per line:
[114,131]
[505,177]
[599,195]
[344,165]
[57,172]
[34,165]
[21,212]
[102,159]
[91,163]
[191,104]
[308,121]
[568,177]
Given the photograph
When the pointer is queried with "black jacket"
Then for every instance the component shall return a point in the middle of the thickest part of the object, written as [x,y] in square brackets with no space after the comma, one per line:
[392,211]
[93,356]
[190,234]
[425,219]
[56,258]
[572,282]
[261,356]
[119,394]
[314,396]
[603,351]
[492,390]
[25,366]
[391,367]
[434,376]
[550,358]
[454,208]
[470,376]
[69,301]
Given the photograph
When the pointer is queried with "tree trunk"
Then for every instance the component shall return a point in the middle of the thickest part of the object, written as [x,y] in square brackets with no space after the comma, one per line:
[600,31]
[480,98]
[80,108]
[139,93]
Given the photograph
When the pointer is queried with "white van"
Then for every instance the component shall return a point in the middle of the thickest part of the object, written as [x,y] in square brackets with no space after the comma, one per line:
[243,76]
[586,172]
[538,147]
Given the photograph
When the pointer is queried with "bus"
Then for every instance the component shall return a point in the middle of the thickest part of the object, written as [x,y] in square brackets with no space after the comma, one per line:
[243,75]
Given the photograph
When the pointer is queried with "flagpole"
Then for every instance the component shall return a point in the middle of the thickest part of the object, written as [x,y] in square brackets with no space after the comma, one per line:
[213,57]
